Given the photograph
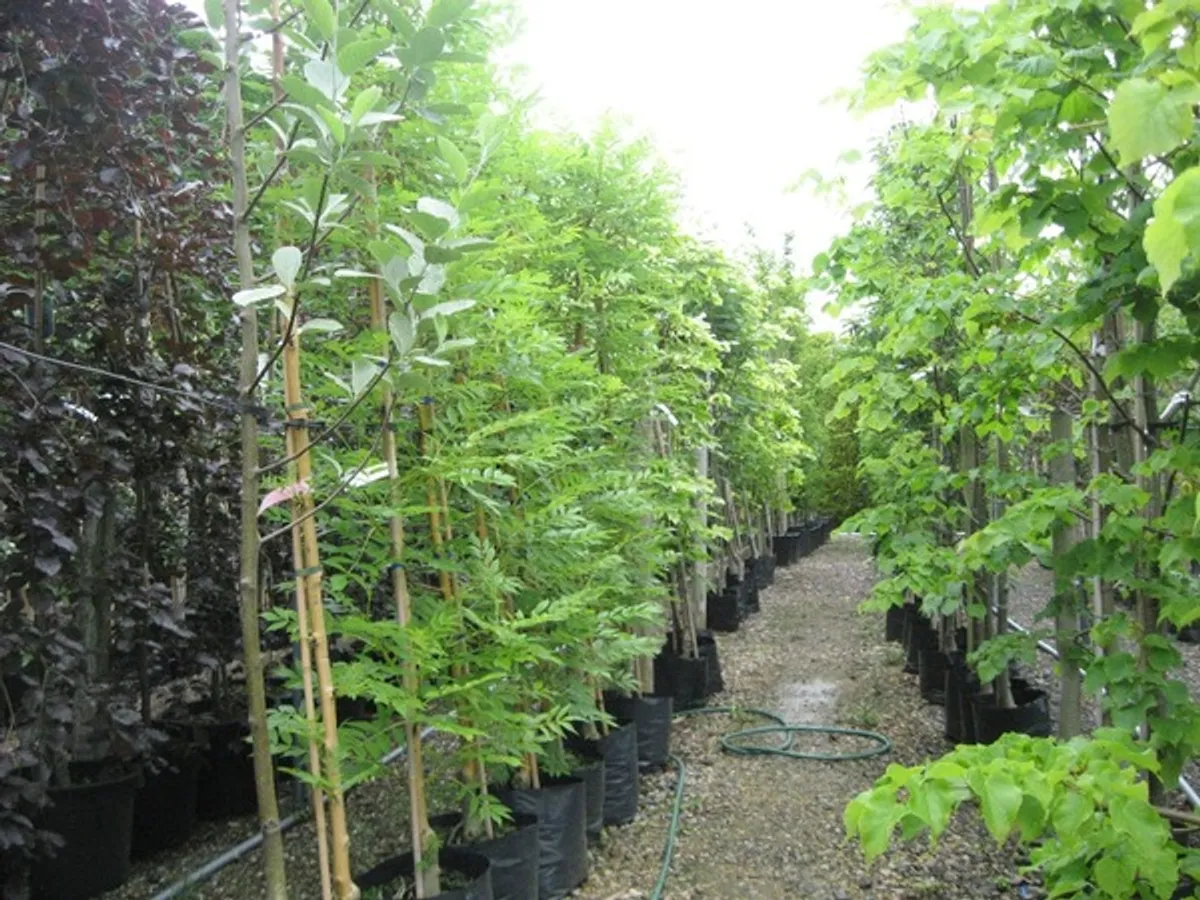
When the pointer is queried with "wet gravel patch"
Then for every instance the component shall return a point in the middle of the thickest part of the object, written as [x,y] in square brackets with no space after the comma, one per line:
[752,827]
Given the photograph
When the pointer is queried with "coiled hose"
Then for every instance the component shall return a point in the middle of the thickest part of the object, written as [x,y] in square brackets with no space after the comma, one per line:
[732,742]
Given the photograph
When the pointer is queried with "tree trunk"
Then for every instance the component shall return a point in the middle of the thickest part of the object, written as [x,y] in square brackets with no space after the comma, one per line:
[1062,472]
[264,776]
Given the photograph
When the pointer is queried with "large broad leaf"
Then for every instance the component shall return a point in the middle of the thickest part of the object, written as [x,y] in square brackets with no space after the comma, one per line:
[321,15]
[1174,231]
[1146,118]
[1000,803]
[287,262]
[364,103]
[354,56]
[449,308]
[400,327]
[325,77]
[454,158]
[443,12]
[250,296]
[425,47]
[438,208]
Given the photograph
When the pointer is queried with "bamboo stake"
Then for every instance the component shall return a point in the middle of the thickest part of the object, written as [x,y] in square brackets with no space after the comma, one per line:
[264,776]
[309,571]
[316,794]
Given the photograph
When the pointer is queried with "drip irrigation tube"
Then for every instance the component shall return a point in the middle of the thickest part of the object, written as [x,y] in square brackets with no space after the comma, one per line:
[1184,785]
[733,742]
[252,843]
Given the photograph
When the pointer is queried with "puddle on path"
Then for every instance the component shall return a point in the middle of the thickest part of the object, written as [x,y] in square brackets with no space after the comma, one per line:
[807,702]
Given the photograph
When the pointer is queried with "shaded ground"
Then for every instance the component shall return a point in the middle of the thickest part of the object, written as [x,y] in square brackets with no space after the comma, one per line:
[761,827]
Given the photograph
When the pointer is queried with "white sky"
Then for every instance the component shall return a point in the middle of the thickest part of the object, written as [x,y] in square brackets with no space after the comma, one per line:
[737,96]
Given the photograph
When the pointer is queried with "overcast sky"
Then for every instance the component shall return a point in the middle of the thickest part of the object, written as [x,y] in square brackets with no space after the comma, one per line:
[738,96]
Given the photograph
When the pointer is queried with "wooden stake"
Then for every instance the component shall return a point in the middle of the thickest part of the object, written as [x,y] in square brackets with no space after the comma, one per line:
[309,571]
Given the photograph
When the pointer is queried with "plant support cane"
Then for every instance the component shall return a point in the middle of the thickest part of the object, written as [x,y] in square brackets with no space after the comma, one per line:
[309,572]
[426,872]
[264,776]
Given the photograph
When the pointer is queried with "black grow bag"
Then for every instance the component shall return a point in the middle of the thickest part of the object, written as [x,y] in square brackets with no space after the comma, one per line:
[961,685]
[683,678]
[513,856]
[464,862]
[652,715]
[750,595]
[621,780]
[764,571]
[591,773]
[780,546]
[96,822]
[916,633]
[1031,715]
[226,772]
[164,810]
[560,805]
[714,682]
[893,629]
[931,675]
[722,612]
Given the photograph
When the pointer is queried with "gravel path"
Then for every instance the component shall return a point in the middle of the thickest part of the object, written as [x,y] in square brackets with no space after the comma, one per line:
[764,827]
[769,827]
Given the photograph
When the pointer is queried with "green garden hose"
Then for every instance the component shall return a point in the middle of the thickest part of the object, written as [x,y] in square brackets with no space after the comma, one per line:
[731,742]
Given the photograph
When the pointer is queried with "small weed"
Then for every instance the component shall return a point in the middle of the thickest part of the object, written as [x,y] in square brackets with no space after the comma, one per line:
[894,655]
[863,714]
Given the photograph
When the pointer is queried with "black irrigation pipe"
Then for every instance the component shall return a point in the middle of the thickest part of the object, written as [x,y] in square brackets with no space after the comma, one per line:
[1184,785]
[252,843]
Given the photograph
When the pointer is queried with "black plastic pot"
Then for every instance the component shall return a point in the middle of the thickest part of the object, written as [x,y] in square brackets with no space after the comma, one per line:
[722,612]
[779,546]
[916,629]
[764,571]
[751,603]
[1030,716]
[619,749]
[961,685]
[893,629]
[652,715]
[96,822]
[561,809]
[513,856]
[714,682]
[684,678]
[471,865]
[931,674]
[591,773]
[164,810]
[226,772]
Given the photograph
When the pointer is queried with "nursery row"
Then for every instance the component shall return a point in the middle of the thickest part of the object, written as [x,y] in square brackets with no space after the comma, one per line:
[345,413]
[1022,376]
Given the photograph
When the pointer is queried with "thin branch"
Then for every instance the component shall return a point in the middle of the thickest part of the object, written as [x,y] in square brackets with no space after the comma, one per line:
[341,488]
[1137,191]
[333,426]
[1086,360]
[274,173]
[959,237]
[275,104]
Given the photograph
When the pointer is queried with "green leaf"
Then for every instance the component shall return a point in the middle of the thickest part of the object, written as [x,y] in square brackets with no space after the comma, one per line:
[321,326]
[413,384]
[443,12]
[1000,803]
[325,77]
[1145,119]
[439,209]
[321,14]
[453,157]
[364,103]
[1175,228]
[214,13]
[355,56]
[449,308]
[287,262]
[305,95]
[479,196]
[251,296]
[425,47]
[400,327]
[362,371]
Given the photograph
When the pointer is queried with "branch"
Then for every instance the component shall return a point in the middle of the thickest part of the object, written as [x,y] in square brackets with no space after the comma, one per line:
[1137,191]
[1086,360]
[959,237]
[341,488]
[370,386]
